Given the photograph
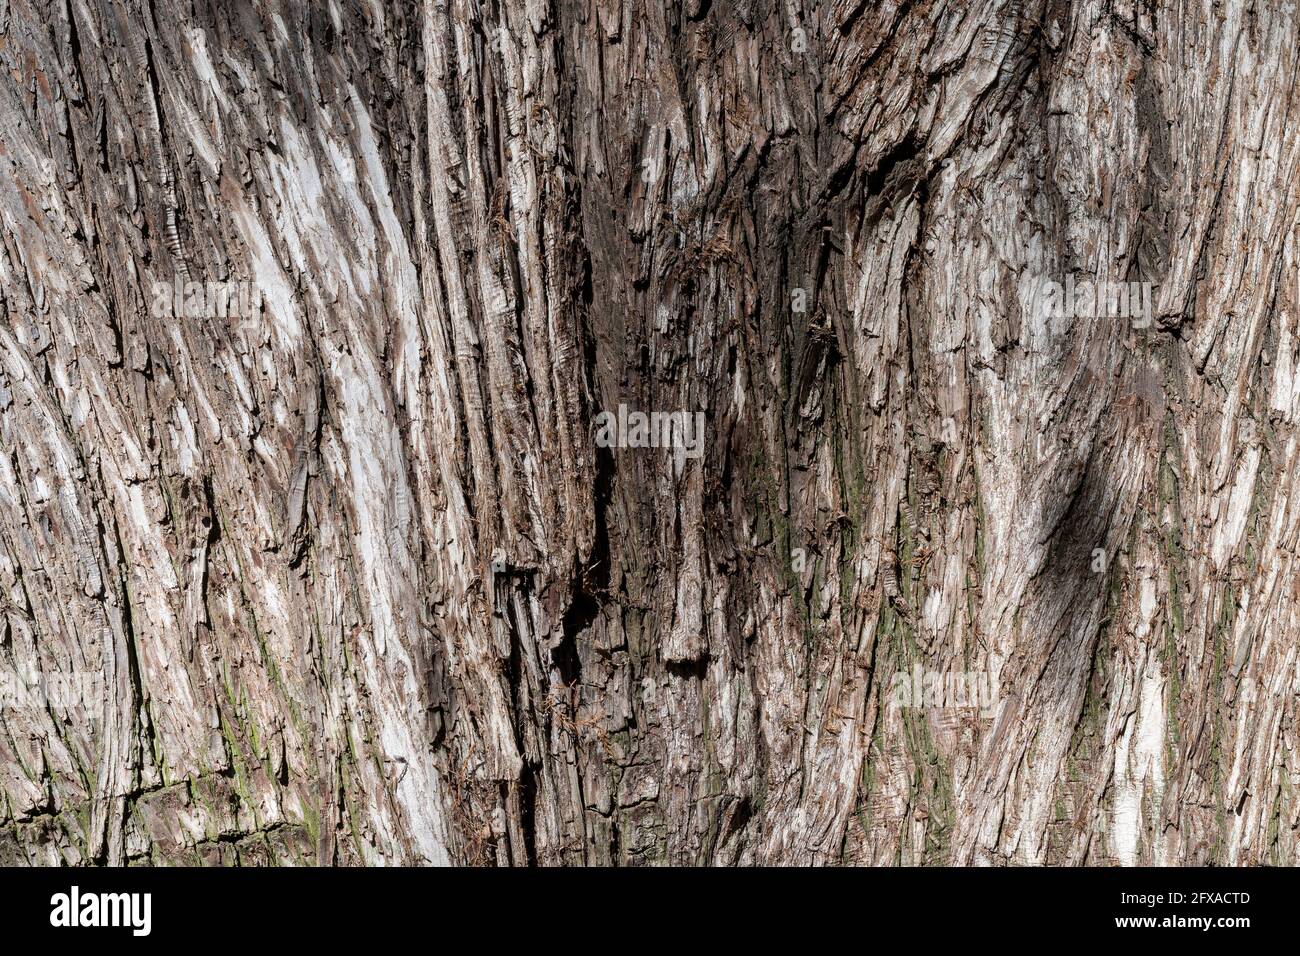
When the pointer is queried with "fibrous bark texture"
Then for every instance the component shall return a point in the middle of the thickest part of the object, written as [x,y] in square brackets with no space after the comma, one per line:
[350,566]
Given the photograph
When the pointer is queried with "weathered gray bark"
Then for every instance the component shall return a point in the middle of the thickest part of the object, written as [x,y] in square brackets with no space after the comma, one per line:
[362,586]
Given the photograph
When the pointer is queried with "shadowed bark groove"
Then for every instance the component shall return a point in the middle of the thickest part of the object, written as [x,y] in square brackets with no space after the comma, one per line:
[343,571]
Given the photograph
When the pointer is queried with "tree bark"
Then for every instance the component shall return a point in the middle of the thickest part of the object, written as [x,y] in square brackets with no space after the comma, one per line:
[350,577]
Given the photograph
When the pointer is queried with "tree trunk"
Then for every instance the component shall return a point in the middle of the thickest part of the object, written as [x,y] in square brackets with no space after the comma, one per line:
[329,532]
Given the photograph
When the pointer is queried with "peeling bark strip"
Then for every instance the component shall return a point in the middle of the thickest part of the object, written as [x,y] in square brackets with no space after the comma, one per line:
[331,543]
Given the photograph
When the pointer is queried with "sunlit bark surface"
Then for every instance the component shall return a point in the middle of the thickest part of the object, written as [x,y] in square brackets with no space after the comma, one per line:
[337,571]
